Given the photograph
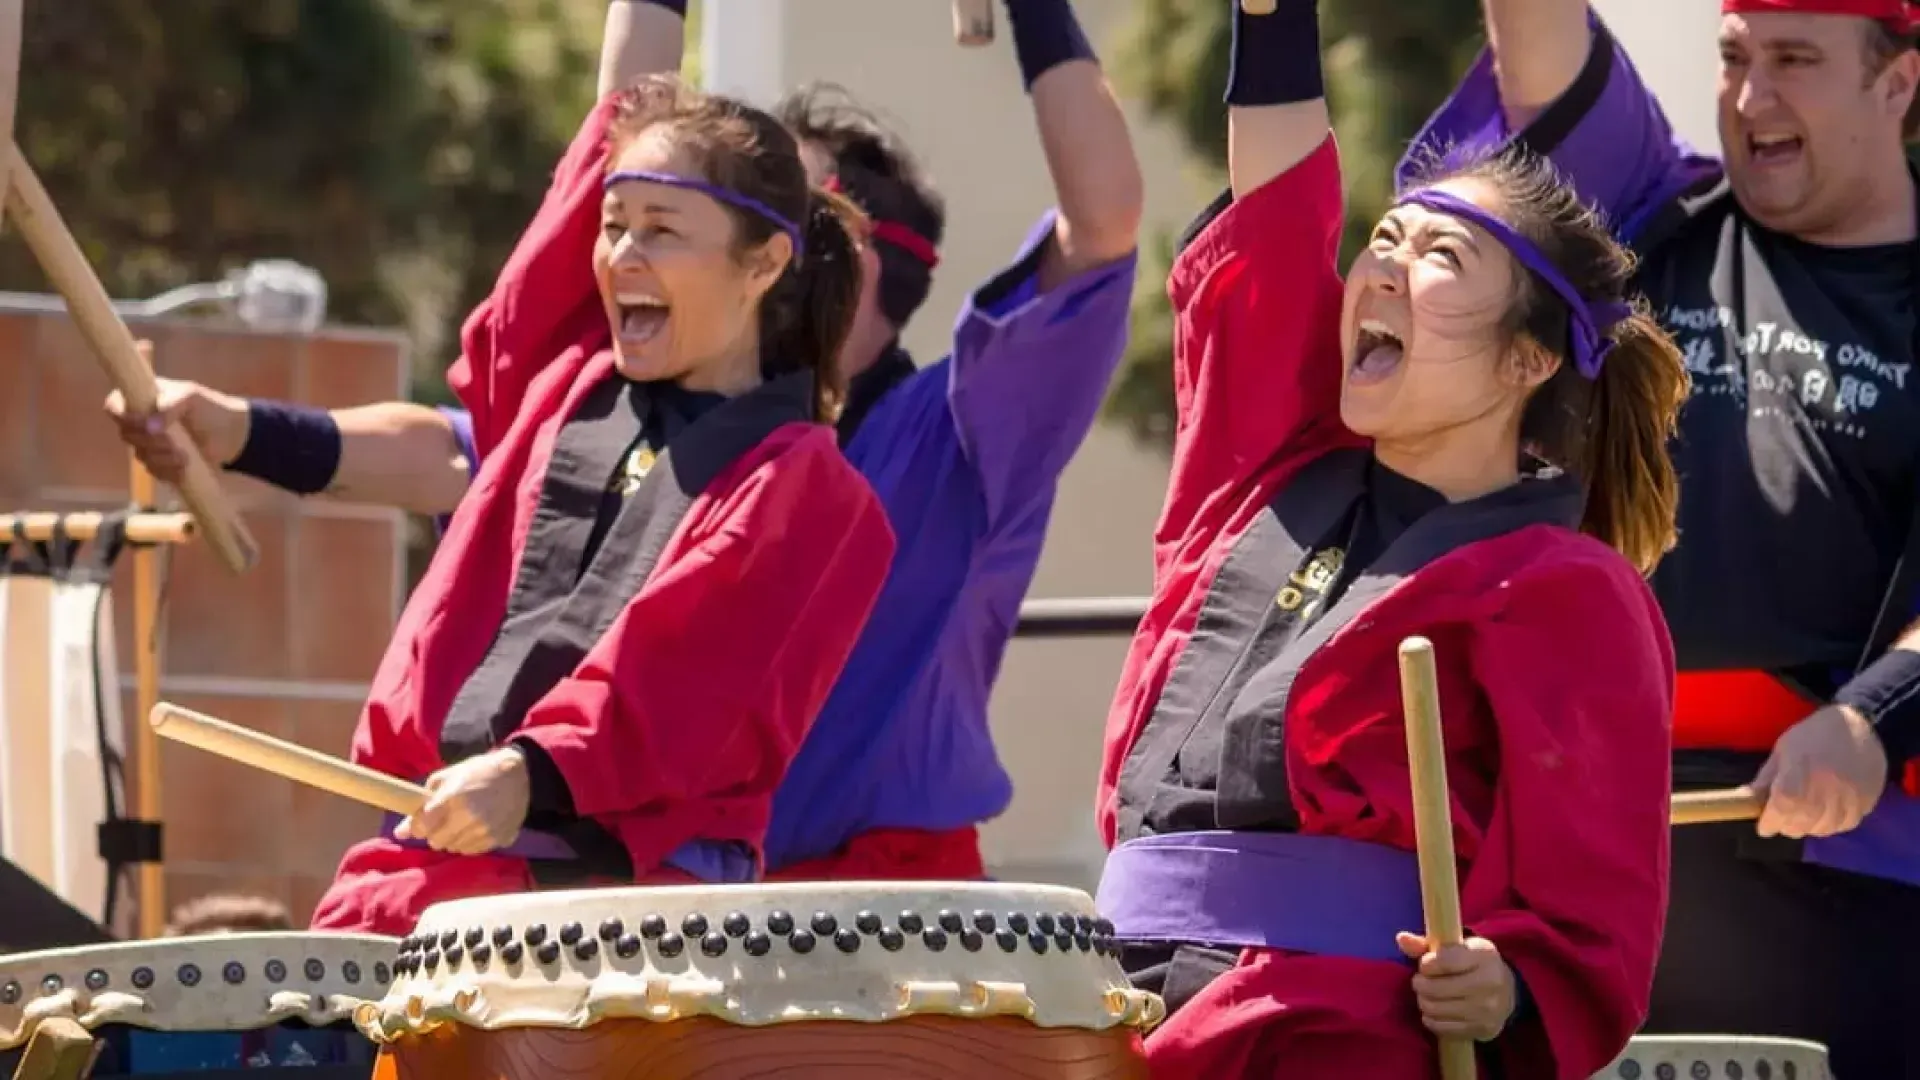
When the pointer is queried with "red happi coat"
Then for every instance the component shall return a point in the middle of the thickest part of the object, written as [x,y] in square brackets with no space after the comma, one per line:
[1556,683]
[677,725]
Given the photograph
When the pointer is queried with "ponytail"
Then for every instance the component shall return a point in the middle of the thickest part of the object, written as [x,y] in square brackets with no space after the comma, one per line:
[806,317]
[1632,491]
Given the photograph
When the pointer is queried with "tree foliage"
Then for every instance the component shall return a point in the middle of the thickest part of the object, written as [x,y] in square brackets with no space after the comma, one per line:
[398,146]
[1389,64]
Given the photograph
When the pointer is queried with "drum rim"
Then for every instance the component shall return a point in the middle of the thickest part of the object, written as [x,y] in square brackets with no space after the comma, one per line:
[117,948]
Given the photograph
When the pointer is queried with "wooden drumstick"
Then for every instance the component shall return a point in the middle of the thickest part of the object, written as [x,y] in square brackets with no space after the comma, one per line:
[1258,7]
[1433,824]
[31,209]
[973,22]
[1708,807]
[291,760]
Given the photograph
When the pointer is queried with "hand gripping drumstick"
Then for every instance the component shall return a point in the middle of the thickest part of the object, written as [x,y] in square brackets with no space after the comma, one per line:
[973,22]
[291,760]
[1433,824]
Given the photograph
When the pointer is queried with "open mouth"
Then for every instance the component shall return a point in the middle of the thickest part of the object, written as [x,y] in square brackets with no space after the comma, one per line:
[642,317]
[1773,149]
[1376,354]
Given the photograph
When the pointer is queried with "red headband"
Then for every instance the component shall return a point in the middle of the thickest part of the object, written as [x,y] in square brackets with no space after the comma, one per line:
[893,232]
[1900,16]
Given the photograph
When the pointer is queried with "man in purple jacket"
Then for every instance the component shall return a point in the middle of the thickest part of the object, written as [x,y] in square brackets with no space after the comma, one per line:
[966,453]
[1786,272]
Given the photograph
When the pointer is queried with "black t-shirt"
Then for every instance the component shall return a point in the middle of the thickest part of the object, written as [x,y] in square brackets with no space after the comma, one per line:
[1797,448]
[1185,799]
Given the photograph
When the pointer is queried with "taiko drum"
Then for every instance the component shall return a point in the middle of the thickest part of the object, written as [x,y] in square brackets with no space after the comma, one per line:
[735,982]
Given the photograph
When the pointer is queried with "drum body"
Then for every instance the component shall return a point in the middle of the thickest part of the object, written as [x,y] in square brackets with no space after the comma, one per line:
[1718,1057]
[205,1007]
[845,980]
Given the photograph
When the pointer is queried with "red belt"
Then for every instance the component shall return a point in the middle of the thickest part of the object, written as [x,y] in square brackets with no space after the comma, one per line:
[1734,710]
[1743,710]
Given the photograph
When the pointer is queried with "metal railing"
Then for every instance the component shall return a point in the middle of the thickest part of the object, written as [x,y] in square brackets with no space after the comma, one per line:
[1086,616]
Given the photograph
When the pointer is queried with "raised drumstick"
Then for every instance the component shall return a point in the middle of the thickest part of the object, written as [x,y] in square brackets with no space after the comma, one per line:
[973,22]
[1433,824]
[291,760]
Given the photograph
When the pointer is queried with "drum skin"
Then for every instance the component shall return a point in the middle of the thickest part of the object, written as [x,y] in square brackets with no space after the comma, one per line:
[707,1049]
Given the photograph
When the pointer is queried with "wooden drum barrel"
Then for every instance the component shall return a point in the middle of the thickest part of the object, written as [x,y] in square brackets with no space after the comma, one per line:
[844,980]
[1718,1057]
[217,1003]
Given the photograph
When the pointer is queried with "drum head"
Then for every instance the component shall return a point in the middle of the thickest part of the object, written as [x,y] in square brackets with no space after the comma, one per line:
[212,983]
[1718,1057]
[762,954]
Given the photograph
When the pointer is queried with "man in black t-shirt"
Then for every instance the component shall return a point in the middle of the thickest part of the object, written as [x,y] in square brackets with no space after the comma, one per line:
[1786,273]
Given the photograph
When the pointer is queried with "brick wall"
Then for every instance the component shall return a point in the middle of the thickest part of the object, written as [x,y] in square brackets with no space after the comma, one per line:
[286,649]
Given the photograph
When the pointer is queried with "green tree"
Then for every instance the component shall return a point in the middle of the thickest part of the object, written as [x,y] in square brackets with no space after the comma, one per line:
[1389,64]
[398,146]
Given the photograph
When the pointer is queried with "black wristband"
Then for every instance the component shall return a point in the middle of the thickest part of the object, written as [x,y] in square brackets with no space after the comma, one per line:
[549,799]
[1046,34]
[293,447]
[678,7]
[1276,58]
[1887,693]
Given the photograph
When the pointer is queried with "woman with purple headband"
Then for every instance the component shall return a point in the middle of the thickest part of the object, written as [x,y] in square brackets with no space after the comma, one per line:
[1465,440]
[664,562]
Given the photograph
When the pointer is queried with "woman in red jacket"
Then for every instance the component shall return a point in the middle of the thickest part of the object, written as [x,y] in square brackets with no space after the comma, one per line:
[663,561]
[1466,440]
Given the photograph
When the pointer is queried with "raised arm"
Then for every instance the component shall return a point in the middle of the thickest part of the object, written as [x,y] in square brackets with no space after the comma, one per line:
[1541,46]
[642,37]
[388,453]
[1096,177]
[1555,81]
[1255,289]
[1277,106]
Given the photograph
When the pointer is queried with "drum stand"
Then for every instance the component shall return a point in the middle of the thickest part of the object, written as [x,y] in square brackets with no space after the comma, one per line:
[60,1049]
[147,530]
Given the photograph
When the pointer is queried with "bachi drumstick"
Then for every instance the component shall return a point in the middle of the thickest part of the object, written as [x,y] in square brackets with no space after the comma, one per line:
[1708,807]
[1433,825]
[973,22]
[291,760]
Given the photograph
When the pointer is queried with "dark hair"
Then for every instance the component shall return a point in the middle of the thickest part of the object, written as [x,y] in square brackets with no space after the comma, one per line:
[1884,46]
[875,170]
[226,913]
[1612,433]
[806,316]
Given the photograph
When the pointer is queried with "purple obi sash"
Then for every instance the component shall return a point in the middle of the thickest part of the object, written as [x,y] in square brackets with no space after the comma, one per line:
[1885,845]
[1311,894]
[713,861]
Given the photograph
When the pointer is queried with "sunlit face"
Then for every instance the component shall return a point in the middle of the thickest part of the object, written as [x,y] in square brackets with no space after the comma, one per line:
[1802,122]
[1424,348]
[679,298]
[870,326]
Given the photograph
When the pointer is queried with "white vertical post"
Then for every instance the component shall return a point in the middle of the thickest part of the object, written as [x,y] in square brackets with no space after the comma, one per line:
[743,49]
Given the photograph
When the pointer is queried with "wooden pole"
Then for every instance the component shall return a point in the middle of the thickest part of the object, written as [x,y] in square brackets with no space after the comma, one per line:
[1433,824]
[146,677]
[85,525]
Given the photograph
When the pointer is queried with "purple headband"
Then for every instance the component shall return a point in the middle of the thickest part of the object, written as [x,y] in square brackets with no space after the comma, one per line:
[1590,319]
[726,195]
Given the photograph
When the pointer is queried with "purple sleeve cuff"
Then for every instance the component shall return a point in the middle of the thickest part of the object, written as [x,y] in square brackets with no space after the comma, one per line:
[462,423]
[1607,135]
[1030,368]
